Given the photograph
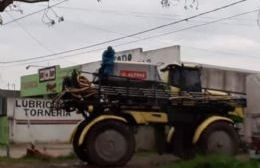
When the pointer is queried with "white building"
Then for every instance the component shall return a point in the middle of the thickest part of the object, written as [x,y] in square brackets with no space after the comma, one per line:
[31,120]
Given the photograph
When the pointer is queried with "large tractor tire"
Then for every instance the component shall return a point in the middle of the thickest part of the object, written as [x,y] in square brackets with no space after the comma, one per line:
[80,150]
[110,143]
[220,137]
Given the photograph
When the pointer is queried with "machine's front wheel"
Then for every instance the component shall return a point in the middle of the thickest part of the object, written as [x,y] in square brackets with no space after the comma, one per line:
[80,150]
[220,137]
[110,143]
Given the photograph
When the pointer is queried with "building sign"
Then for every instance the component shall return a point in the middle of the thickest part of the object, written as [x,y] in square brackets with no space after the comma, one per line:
[129,55]
[47,81]
[125,57]
[134,74]
[40,111]
[47,74]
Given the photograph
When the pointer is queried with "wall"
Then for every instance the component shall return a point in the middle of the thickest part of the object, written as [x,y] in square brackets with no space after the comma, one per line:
[164,56]
[33,121]
[158,56]
[222,79]
[47,81]
[252,121]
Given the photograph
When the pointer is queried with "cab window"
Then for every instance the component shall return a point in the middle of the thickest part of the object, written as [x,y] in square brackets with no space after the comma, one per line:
[187,79]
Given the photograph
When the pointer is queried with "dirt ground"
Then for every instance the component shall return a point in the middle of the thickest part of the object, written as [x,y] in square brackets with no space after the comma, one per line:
[63,157]
[142,160]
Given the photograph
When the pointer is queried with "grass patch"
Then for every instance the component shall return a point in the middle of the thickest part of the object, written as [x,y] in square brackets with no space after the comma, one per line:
[70,156]
[25,159]
[214,161]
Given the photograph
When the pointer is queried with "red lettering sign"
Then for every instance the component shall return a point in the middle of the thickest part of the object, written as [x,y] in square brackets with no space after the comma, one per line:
[134,74]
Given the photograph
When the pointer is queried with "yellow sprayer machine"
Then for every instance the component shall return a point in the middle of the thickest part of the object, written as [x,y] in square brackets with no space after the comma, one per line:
[186,117]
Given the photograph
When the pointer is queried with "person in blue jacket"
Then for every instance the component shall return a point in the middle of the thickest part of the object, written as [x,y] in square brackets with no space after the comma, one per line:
[108,58]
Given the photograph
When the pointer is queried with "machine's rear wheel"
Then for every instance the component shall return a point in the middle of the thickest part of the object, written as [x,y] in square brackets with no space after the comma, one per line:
[220,137]
[110,143]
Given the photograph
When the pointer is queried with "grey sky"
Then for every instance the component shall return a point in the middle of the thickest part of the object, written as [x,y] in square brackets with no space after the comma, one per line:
[234,42]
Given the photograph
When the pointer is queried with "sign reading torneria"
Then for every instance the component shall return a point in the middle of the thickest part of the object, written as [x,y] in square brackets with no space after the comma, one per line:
[41,111]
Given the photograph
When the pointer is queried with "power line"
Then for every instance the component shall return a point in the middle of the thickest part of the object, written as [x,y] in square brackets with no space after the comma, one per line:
[120,13]
[198,25]
[157,16]
[127,36]
[30,35]
[150,37]
[163,34]
[97,28]
[33,13]
[65,56]
[131,13]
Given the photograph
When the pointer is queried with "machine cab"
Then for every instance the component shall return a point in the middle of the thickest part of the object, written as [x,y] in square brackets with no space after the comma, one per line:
[186,78]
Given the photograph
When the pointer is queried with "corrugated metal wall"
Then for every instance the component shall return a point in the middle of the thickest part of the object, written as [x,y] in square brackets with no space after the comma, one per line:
[252,121]
[221,79]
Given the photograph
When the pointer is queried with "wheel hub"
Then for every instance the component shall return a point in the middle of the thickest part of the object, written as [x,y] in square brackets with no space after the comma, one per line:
[220,141]
[111,145]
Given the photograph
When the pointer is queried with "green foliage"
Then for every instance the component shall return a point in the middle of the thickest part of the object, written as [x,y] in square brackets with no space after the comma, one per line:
[4,134]
[214,161]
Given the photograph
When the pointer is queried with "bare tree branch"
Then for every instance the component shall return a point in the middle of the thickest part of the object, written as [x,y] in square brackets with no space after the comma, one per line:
[188,4]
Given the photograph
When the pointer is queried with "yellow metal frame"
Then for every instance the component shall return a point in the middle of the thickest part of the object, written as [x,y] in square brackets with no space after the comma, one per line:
[165,76]
[90,108]
[239,112]
[139,117]
[95,121]
[205,125]
[170,134]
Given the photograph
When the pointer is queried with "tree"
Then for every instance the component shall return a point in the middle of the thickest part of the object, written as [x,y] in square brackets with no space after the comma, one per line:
[187,3]
[165,3]
[5,3]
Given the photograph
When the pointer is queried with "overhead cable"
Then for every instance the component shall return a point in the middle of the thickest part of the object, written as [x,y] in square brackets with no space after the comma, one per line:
[124,37]
[146,38]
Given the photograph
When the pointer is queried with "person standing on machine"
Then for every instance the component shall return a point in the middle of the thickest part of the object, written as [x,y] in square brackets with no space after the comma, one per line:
[107,65]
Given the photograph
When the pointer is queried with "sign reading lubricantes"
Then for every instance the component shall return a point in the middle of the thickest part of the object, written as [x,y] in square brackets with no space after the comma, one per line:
[134,74]
[40,111]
